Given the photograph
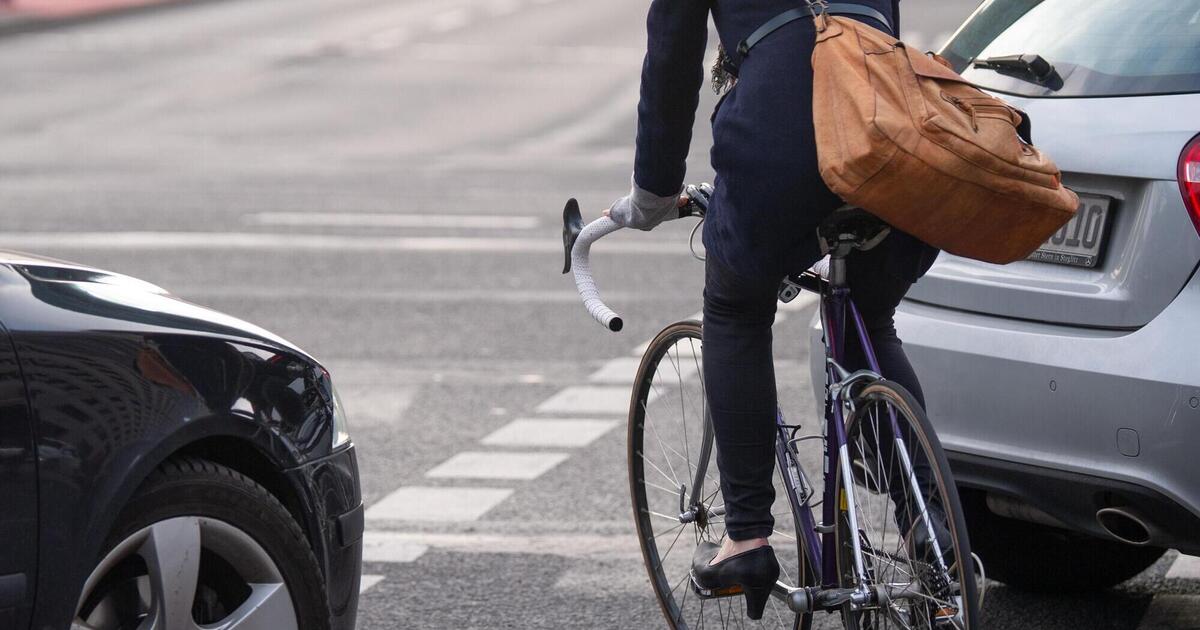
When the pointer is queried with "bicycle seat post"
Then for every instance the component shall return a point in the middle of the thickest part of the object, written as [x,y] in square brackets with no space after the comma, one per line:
[837,265]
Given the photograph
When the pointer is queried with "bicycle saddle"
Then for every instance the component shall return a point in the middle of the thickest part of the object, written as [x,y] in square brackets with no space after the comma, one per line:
[851,227]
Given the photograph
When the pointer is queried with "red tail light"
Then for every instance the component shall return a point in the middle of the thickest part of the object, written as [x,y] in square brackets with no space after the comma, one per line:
[1189,179]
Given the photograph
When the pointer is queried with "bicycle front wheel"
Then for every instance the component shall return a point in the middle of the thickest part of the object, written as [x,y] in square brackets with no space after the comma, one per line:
[911,533]
[670,448]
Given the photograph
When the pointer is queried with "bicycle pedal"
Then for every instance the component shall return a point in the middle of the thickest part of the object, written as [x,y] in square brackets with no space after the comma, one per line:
[714,593]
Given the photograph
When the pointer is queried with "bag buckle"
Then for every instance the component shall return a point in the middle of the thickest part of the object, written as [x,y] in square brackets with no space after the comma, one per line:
[818,9]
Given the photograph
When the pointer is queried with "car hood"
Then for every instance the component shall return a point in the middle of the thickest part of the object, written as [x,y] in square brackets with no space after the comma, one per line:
[116,301]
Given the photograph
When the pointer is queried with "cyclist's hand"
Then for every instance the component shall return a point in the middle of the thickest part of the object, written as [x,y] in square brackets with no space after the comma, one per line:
[644,210]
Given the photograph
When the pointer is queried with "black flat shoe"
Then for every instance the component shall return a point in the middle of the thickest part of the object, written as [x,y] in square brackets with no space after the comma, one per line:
[752,573]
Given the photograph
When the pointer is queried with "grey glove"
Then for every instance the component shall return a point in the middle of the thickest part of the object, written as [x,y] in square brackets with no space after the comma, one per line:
[642,209]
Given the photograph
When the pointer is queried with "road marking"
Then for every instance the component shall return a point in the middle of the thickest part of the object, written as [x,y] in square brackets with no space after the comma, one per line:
[561,433]
[1172,612]
[564,545]
[382,219]
[1184,568]
[684,349]
[480,465]
[590,399]
[379,547]
[472,296]
[618,371]
[368,581]
[422,503]
[262,241]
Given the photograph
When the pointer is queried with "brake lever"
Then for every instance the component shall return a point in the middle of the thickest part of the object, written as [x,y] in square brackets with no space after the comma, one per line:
[572,226]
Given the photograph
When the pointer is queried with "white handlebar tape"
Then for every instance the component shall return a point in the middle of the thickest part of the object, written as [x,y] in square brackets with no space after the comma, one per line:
[582,268]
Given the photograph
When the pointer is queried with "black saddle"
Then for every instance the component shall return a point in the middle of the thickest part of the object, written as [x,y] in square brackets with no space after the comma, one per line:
[850,228]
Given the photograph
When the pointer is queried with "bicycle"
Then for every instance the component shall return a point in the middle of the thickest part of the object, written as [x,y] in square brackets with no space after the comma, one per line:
[890,549]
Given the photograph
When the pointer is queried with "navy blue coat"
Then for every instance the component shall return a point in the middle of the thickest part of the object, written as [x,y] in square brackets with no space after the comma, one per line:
[769,195]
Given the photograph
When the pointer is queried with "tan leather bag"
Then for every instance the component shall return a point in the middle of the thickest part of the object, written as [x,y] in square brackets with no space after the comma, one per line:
[908,139]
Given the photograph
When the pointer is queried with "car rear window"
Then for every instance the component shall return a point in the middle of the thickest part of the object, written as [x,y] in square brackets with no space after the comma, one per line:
[1097,47]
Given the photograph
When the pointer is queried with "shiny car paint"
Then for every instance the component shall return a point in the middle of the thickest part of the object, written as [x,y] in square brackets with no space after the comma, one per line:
[102,378]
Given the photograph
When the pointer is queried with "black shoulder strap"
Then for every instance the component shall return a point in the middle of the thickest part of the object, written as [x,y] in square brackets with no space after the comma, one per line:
[810,11]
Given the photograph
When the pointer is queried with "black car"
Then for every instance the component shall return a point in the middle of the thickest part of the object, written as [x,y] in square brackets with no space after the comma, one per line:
[163,462]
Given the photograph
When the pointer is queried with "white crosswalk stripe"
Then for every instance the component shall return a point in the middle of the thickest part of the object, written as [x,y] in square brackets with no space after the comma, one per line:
[587,399]
[560,433]
[481,465]
[1185,568]
[423,503]
[367,581]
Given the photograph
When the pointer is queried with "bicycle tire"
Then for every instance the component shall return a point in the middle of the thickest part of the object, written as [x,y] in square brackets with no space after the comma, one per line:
[939,494]
[648,490]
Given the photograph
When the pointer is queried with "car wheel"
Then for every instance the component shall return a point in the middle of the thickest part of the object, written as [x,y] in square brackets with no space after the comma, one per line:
[203,545]
[1035,557]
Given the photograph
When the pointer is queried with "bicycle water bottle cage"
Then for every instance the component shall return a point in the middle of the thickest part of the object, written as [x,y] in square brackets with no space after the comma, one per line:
[572,226]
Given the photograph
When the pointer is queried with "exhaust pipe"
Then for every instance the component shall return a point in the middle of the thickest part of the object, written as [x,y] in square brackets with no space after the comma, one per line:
[1125,525]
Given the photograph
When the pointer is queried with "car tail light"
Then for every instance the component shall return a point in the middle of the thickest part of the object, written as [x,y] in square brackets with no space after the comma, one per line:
[1189,179]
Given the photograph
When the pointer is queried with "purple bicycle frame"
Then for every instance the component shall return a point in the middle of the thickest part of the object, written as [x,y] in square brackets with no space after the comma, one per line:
[820,549]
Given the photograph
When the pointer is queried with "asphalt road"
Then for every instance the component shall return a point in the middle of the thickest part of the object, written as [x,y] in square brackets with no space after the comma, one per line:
[380,181]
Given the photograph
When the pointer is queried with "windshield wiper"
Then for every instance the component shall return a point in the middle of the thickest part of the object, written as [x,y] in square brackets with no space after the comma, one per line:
[1033,68]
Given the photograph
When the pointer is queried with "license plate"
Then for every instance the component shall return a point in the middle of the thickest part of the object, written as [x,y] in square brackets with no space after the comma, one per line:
[1080,242]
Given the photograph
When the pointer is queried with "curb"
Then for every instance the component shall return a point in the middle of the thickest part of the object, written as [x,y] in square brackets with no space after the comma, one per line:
[34,16]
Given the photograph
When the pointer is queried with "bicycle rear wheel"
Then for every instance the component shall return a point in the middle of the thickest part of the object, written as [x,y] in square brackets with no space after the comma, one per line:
[910,522]
[668,447]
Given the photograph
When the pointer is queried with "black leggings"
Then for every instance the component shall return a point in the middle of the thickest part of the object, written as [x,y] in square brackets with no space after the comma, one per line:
[739,372]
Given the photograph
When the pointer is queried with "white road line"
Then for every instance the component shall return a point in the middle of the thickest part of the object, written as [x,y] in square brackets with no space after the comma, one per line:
[383,219]
[479,465]
[565,545]
[261,241]
[585,399]
[379,547]
[368,581]
[1172,612]
[472,296]
[422,503]
[620,371]
[1185,568]
[560,433]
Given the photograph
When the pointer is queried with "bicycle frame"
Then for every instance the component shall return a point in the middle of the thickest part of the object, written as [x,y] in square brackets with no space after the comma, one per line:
[819,540]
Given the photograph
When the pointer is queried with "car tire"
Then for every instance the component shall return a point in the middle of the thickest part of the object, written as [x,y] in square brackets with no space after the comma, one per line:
[186,489]
[1035,557]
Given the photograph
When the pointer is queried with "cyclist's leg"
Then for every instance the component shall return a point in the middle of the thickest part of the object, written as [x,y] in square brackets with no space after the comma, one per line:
[879,278]
[739,377]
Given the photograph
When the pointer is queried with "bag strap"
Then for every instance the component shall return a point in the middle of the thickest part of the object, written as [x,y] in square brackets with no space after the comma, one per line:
[800,13]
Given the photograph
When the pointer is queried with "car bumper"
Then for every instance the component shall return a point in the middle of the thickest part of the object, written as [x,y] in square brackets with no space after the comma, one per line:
[335,527]
[1116,411]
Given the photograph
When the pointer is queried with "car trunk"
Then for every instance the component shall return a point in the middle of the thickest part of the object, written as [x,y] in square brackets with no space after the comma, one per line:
[1118,153]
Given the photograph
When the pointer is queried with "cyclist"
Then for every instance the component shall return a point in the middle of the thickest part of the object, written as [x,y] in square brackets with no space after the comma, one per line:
[761,225]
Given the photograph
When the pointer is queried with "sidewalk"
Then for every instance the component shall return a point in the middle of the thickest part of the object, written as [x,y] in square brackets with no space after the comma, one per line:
[18,16]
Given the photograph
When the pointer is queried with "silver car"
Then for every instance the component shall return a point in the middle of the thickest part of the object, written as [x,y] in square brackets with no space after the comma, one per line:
[1066,388]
